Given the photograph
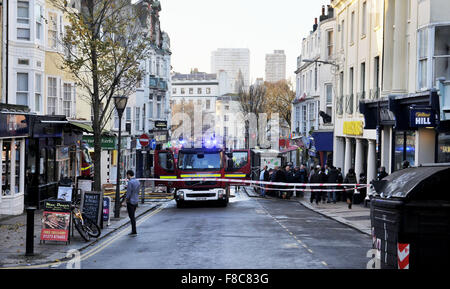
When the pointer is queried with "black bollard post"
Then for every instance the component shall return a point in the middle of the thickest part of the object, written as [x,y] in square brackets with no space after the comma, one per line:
[143,192]
[30,232]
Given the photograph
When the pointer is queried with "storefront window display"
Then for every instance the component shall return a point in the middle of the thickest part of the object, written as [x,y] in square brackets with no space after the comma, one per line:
[444,148]
[10,163]
[405,148]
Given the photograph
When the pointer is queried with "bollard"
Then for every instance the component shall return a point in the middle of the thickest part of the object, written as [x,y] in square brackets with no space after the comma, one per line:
[142,192]
[30,232]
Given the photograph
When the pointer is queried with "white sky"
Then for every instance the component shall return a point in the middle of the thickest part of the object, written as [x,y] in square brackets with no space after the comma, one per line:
[197,27]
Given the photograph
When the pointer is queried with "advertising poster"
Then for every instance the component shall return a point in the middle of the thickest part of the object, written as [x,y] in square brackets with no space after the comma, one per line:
[65,193]
[55,226]
[56,221]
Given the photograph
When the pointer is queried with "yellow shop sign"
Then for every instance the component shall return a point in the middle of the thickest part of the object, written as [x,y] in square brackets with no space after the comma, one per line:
[353,127]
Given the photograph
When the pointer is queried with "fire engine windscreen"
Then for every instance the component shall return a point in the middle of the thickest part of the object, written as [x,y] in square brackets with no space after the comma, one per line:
[199,161]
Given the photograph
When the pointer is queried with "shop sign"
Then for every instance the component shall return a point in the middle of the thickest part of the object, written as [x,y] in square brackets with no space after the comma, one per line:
[160,124]
[107,142]
[422,117]
[12,125]
[55,221]
[353,128]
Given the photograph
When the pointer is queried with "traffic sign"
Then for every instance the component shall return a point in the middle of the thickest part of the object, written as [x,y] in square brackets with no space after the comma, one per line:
[153,144]
[144,140]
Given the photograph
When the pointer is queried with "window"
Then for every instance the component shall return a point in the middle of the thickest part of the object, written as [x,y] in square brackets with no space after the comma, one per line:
[199,102]
[174,90]
[137,114]
[23,12]
[22,89]
[342,34]
[24,62]
[128,114]
[52,30]
[364,19]
[329,92]
[312,115]
[23,33]
[38,15]
[67,101]
[191,91]
[441,53]
[116,120]
[52,95]
[150,108]
[377,13]
[227,107]
[143,117]
[423,58]
[183,91]
[208,90]
[352,28]
[38,92]
[304,117]
[350,96]
[208,104]
[330,43]
[199,91]
[225,117]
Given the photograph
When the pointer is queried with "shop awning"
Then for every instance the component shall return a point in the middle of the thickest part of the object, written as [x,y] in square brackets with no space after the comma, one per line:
[85,127]
[289,149]
[323,141]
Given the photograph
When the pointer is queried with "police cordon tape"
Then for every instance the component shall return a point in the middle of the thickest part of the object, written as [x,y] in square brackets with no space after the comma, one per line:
[297,186]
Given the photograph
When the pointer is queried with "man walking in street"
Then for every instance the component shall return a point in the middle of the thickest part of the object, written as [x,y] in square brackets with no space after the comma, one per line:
[132,200]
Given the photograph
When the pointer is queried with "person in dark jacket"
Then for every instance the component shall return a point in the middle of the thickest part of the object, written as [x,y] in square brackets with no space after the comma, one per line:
[340,180]
[315,179]
[350,178]
[381,174]
[323,180]
[333,178]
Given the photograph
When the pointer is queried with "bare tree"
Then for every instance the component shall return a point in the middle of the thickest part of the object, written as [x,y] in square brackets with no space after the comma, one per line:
[104,43]
[252,103]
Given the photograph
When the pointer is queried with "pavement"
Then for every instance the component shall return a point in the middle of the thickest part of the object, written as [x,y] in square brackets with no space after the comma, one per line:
[13,238]
[358,217]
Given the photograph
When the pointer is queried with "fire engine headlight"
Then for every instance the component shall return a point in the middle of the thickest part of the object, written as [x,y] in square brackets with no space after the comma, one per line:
[221,193]
[180,194]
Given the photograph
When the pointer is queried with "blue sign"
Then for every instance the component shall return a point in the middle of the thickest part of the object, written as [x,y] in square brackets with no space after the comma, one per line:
[153,144]
[422,117]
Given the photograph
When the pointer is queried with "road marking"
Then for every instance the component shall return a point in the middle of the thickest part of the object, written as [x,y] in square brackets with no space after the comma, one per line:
[324,263]
[310,251]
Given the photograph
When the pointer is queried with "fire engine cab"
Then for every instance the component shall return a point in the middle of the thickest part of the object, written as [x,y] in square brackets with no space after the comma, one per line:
[201,163]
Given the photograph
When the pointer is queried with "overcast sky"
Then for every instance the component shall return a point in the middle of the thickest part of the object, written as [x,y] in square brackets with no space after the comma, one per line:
[197,27]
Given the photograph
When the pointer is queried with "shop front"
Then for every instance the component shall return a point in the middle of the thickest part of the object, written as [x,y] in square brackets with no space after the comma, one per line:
[14,130]
[53,150]
[408,129]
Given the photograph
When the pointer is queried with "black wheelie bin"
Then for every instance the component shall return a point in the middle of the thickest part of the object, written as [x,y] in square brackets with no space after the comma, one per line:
[410,218]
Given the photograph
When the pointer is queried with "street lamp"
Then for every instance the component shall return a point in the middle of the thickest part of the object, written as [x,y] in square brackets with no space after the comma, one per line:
[320,61]
[120,102]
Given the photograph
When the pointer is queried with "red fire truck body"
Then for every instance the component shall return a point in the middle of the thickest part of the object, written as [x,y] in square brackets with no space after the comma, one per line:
[197,164]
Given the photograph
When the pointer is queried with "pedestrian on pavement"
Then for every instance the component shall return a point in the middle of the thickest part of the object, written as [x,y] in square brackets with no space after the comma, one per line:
[340,180]
[303,178]
[315,179]
[333,178]
[290,178]
[350,178]
[362,190]
[381,173]
[323,180]
[405,164]
[262,177]
[132,198]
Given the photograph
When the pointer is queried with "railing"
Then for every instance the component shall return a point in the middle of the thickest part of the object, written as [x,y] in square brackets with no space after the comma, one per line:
[375,93]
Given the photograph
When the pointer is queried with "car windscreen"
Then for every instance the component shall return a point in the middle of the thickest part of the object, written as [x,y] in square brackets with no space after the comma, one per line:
[199,161]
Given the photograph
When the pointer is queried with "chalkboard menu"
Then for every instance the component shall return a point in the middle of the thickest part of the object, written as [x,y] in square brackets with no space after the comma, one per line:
[91,205]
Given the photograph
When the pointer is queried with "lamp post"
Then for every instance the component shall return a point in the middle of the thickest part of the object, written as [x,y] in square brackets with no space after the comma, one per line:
[120,102]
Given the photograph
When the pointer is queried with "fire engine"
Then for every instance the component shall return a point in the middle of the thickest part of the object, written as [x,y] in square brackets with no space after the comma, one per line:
[201,163]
